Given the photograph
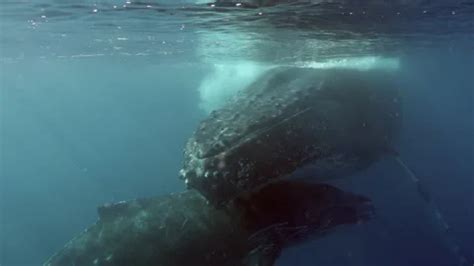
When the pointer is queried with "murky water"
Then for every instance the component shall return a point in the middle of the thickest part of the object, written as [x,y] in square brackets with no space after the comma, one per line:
[99,97]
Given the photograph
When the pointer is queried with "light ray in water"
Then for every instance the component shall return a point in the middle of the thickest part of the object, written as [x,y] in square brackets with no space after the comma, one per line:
[435,211]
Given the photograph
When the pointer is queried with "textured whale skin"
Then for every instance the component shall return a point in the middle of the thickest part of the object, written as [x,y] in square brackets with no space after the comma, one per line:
[338,121]
[183,230]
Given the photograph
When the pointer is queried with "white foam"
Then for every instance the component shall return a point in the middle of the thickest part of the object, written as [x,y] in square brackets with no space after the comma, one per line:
[359,63]
[226,80]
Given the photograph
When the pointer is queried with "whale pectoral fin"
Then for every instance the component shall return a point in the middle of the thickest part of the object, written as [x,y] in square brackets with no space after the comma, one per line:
[264,256]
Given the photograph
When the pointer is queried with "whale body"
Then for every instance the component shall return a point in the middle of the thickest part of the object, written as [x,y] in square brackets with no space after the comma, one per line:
[337,121]
[183,230]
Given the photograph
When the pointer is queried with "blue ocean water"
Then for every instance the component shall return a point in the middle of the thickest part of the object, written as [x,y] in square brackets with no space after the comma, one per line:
[98,98]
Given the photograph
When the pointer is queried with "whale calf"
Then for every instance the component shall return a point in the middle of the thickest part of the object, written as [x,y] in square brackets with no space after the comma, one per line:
[337,121]
[183,230]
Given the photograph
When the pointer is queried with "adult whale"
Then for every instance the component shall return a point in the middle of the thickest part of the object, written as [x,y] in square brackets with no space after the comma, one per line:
[183,230]
[336,120]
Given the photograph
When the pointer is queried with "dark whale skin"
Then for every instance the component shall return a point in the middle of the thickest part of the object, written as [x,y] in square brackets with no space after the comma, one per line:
[182,229]
[338,121]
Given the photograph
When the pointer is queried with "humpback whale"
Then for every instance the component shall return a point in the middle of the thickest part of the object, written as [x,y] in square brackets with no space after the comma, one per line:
[326,122]
[182,229]
[337,121]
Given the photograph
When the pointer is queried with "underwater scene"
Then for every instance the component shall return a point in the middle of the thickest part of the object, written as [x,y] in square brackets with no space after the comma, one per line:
[237,133]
